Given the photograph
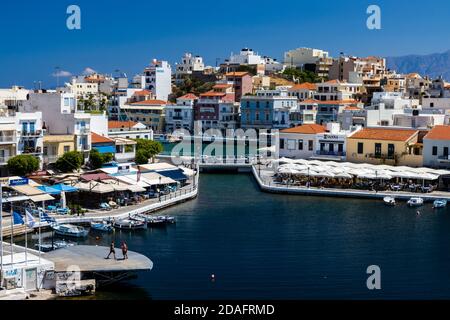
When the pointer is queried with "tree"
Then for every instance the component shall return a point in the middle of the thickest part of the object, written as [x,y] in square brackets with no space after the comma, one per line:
[23,164]
[191,85]
[97,159]
[141,157]
[69,161]
[148,149]
[300,76]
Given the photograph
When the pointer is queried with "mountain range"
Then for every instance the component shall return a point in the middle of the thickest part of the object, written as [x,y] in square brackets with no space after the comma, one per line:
[432,65]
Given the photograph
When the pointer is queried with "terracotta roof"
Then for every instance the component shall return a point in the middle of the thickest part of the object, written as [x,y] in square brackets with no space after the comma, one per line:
[352,108]
[309,101]
[306,129]
[189,96]
[153,102]
[439,132]
[384,134]
[121,124]
[236,74]
[142,93]
[338,102]
[96,138]
[335,81]
[305,86]
[222,85]
[212,94]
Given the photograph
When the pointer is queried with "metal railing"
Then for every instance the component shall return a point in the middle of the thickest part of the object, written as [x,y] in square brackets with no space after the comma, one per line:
[5,138]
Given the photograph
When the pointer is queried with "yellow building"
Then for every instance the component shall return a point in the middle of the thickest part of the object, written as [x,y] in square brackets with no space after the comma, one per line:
[389,146]
[56,145]
[149,112]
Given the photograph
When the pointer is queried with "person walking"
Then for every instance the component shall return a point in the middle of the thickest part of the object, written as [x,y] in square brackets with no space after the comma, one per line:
[124,250]
[112,250]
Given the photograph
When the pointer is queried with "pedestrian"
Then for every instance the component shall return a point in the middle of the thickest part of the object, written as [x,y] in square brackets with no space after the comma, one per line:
[112,250]
[124,250]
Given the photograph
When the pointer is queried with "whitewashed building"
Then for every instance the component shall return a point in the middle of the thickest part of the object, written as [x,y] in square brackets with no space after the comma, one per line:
[181,114]
[158,79]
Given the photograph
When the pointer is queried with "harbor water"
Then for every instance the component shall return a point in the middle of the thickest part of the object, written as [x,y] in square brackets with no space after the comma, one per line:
[269,246]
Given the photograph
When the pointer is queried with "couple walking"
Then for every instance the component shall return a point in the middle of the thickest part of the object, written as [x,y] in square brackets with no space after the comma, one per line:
[124,248]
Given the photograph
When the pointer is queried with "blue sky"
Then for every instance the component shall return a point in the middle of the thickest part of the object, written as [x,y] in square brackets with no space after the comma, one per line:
[127,35]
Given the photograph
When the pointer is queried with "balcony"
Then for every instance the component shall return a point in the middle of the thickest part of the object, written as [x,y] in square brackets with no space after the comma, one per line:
[50,159]
[84,131]
[7,139]
[35,133]
[4,160]
[332,153]
[32,150]
[444,159]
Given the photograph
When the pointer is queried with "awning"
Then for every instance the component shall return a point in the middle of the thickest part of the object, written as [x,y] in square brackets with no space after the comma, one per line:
[96,187]
[105,149]
[27,190]
[64,187]
[135,188]
[48,189]
[41,197]
[176,174]
[155,178]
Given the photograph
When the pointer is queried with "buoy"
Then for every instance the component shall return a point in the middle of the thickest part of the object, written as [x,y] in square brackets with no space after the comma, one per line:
[213,277]
[418,212]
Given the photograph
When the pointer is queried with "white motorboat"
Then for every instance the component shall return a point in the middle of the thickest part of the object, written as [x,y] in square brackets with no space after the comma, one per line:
[70,230]
[440,203]
[389,201]
[415,202]
[129,224]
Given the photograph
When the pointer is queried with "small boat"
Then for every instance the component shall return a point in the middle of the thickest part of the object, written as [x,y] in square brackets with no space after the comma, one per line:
[46,247]
[70,230]
[415,202]
[167,219]
[389,201]
[102,226]
[440,203]
[130,224]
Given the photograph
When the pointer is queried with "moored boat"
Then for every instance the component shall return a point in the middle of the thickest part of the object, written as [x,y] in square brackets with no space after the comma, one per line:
[70,230]
[48,246]
[440,203]
[129,224]
[415,202]
[389,201]
[102,226]
[167,219]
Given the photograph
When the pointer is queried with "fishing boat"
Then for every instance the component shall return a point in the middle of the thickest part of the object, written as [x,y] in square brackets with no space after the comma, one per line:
[102,226]
[150,220]
[70,230]
[415,202]
[129,224]
[440,203]
[389,201]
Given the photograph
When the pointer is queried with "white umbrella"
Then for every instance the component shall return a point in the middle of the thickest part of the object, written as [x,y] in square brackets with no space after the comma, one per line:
[367,176]
[343,175]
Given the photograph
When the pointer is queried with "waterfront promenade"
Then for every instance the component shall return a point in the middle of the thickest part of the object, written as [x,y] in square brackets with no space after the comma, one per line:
[264,178]
[148,206]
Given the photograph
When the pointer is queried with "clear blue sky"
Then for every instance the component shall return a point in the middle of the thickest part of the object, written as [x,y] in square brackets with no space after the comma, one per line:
[126,35]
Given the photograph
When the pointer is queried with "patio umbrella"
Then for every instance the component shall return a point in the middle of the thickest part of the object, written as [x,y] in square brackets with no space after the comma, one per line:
[64,187]
[48,189]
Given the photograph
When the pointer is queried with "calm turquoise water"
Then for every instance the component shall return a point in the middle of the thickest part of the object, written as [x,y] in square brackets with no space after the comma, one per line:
[265,246]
